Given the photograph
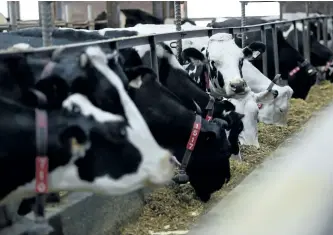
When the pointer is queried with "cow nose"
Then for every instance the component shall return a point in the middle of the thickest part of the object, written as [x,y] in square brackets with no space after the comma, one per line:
[238,85]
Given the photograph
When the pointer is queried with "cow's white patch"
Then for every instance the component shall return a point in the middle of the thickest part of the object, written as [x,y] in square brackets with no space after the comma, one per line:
[156,165]
[87,108]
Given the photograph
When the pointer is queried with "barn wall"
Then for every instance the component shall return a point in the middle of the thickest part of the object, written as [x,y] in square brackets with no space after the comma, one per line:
[79,9]
[326,7]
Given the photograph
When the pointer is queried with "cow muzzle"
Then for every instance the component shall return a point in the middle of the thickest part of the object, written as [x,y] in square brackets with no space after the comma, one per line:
[238,86]
[164,173]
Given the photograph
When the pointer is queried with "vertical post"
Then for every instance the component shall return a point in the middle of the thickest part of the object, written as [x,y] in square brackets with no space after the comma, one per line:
[325,31]
[331,32]
[243,23]
[296,37]
[113,14]
[166,9]
[275,50]
[264,55]
[46,23]
[40,13]
[318,29]
[158,9]
[68,16]
[12,15]
[185,9]
[153,55]
[305,41]
[17,9]
[58,10]
[281,10]
[90,17]
[178,18]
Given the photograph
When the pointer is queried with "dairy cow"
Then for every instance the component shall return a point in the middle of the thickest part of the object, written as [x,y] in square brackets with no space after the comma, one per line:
[165,111]
[299,73]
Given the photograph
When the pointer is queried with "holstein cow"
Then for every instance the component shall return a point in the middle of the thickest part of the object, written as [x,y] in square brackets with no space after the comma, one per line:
[155,161]
[274,112]
[132,17]
[320,56]
[212,150]
[200,97]
[83,146]
[299,73]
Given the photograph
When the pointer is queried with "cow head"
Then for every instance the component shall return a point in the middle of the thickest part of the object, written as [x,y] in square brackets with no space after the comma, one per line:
[171,124]
[224,65]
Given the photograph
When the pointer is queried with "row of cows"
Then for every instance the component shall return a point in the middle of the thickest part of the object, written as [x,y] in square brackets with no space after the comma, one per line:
[115,126]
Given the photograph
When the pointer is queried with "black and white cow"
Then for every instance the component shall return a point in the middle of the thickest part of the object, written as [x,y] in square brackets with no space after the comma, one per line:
[321,57]
[17,76]
[301,75]
[166,112]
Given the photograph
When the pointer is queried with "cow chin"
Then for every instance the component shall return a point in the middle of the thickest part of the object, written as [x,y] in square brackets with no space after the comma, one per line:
[234,91]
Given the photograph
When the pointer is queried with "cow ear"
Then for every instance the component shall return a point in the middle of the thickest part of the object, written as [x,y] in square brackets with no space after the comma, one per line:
[254,50]
[191,53]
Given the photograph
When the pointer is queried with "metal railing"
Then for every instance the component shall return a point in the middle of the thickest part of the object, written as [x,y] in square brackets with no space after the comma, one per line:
[156,38]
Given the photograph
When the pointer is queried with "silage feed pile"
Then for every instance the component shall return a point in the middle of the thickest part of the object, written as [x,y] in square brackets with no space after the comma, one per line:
[171,210]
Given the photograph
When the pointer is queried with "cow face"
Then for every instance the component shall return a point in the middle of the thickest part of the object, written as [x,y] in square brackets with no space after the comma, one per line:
[225,61]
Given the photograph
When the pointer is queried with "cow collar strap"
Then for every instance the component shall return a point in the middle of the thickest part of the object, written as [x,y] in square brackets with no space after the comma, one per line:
[41,169]
[210,108]
[182,177]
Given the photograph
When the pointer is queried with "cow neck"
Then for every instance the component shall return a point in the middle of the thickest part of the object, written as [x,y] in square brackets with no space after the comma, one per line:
[182,177]
[297,68]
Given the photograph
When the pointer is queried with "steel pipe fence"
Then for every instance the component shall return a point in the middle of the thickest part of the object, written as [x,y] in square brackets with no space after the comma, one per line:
[176,36]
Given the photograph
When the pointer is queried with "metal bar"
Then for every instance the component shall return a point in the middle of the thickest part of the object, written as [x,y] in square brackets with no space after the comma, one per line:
[243,23]
[264,55]
[307,8]
[185,9]
[325,31]
[331,35]
[46,23]
[178,18]
[113,14]
[58,8]
[305,41]
[153,55]
[141,40]
[68,16]
[166,9]
[275,50]
[281,10]
[318,30]
[17,9]
[296,37]
[90,17]
[158,9]
[12,15]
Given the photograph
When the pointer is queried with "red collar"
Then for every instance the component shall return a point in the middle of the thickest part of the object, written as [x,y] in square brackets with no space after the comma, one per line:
[182,177]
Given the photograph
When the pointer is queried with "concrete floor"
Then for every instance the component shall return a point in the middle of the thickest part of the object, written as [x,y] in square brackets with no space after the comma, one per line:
[290,194]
